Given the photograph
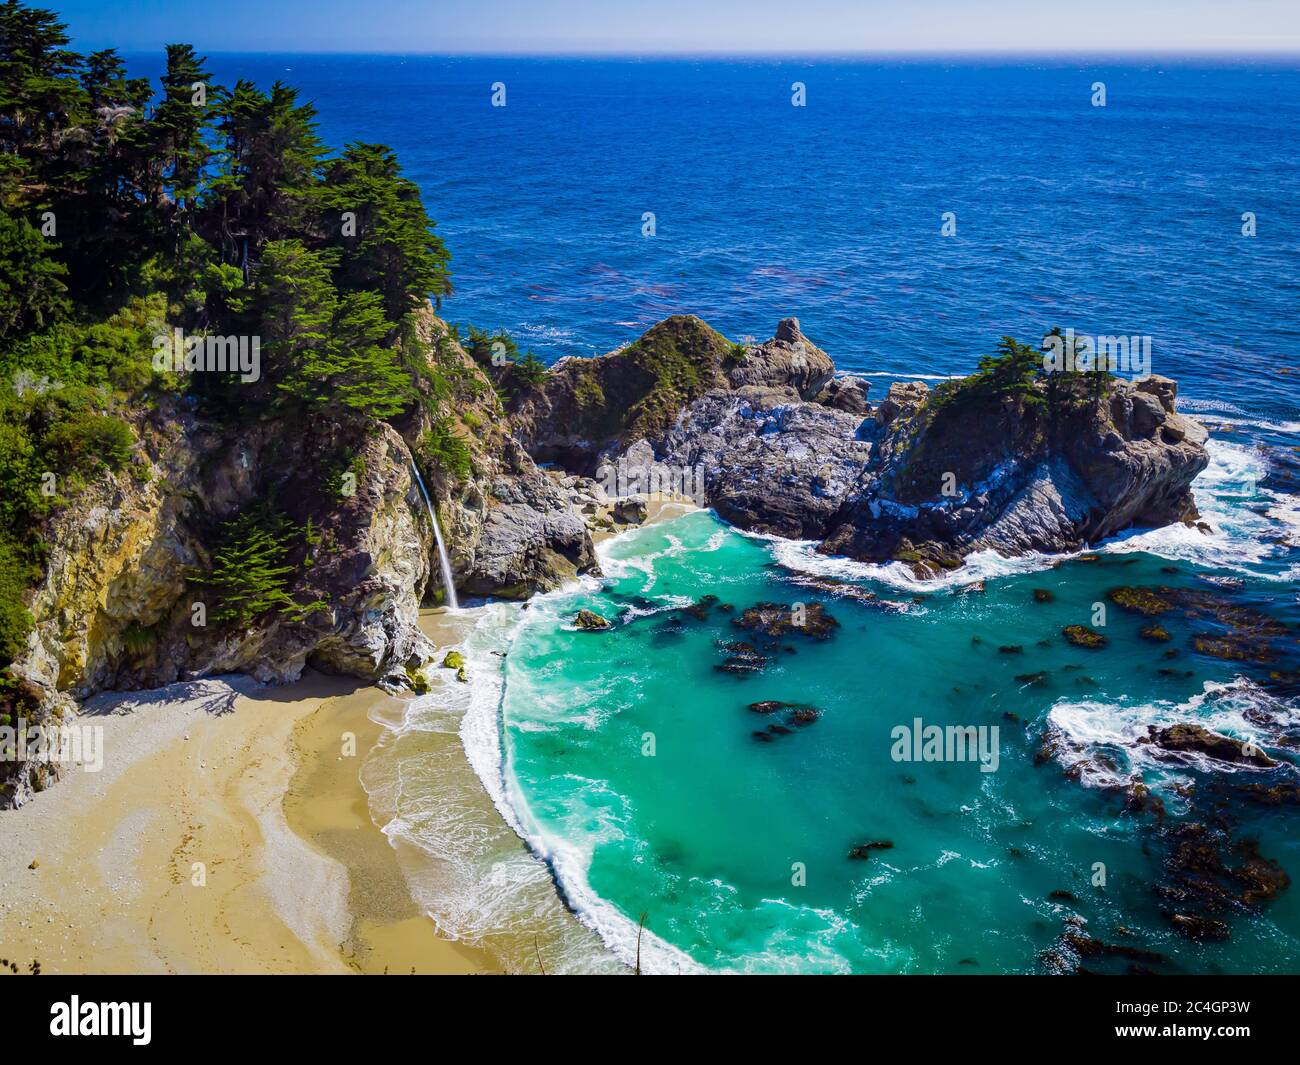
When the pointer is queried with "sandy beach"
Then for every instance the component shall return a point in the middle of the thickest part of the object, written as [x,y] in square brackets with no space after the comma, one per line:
[226,833]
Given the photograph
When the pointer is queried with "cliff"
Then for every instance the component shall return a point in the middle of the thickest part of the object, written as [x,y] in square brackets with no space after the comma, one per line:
[124,603]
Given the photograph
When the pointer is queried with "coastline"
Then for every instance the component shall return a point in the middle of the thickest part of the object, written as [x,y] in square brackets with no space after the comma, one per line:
[248,782]
[327,805]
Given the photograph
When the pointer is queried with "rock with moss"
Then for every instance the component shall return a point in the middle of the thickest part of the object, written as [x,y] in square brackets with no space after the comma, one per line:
[453,660]
[778,620]
[418,681]
[1083,636]
[589,621]
[1148,602]
[1005,460]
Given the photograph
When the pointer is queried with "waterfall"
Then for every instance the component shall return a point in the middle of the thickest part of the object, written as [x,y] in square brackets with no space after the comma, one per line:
[443,561]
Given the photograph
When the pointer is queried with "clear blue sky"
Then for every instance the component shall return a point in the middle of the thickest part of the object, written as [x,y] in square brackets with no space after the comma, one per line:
[714,26]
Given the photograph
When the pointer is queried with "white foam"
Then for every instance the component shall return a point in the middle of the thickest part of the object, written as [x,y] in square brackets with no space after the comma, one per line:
[802,557]
[1238,512]
[1090,732]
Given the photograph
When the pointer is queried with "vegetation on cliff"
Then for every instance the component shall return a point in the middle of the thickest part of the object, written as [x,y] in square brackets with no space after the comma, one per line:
[140,220]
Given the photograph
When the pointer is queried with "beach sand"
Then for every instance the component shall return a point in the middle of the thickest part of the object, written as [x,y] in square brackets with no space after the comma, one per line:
[250,784]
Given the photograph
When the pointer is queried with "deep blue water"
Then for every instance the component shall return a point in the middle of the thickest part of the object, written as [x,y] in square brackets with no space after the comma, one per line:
[1123,219]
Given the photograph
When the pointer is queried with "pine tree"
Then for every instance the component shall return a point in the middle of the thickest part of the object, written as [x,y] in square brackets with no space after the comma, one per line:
[386,244]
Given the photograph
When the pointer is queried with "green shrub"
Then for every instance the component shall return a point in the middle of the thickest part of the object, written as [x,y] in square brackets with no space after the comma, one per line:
[15,620]
[444,450]
[83,441]
[250,574]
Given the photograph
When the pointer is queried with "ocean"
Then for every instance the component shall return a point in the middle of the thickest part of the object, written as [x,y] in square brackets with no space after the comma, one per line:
[1118,220]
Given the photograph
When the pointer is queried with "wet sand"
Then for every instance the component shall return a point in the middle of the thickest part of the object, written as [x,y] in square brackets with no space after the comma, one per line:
[226,833]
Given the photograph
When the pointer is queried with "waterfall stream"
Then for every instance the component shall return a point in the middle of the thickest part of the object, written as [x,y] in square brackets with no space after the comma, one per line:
[443,561]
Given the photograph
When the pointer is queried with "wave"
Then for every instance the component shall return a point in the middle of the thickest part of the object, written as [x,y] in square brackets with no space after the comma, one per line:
[562,858]
[1104,742]
[435,780]
[1262,423]
[1243,517]
[1250,527]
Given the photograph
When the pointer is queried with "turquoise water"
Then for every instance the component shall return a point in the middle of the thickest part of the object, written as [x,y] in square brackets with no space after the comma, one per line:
[703,835]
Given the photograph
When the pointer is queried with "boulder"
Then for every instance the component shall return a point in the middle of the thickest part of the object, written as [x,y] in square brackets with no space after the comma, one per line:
[589,621]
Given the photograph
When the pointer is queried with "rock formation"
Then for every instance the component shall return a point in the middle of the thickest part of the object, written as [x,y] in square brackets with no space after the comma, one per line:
[928,477]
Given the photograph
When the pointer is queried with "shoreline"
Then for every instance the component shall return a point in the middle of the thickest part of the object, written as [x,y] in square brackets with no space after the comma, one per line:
[327,805]
[225,834]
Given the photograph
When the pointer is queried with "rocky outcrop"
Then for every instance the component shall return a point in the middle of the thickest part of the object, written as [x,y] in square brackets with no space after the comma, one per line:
[593,407]
[927,478]
[511,529]
[788,360]
[117,606]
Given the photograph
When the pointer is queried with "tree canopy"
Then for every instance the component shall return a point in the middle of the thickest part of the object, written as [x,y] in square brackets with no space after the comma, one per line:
[131,210]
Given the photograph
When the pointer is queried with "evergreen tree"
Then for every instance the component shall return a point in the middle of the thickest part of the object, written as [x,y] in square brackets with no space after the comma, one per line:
[376,221]
[269,162]
[31,286]
[328,351]
[250,574]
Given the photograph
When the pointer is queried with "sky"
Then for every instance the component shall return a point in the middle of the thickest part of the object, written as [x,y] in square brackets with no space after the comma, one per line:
[837,27]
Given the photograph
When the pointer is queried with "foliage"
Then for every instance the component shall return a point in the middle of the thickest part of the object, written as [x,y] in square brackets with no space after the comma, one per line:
[128,210]
[444,450]
[328,348]
[250,574]
[1010,372]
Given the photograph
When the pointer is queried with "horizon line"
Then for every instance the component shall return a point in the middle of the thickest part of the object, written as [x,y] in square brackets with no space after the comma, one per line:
[1010,53]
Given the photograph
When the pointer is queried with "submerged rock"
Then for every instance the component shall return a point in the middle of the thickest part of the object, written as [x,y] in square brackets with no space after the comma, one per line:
[742,659]
[862,851]
[1200,740]
[777,620]
[1083,636]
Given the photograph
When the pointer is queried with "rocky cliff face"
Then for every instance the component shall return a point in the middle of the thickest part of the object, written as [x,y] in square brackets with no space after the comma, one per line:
[768,434]
[789,448]
[511,529]
[116,607]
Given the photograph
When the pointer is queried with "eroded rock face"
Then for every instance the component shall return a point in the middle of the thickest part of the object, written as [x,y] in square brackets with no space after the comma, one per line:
[771,462]
[115,607]
[788,360]
[928,477]
[511,529]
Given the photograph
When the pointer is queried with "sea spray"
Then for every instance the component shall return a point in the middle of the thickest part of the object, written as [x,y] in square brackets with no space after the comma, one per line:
[444,563]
